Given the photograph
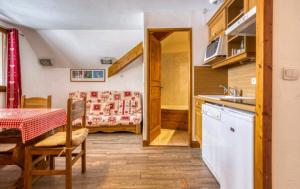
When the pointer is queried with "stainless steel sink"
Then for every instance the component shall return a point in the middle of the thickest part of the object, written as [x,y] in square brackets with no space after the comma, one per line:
[226,97]
[238,97]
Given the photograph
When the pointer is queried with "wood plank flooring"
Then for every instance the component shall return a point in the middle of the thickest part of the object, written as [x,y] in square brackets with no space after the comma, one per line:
[171,137]
[118,161]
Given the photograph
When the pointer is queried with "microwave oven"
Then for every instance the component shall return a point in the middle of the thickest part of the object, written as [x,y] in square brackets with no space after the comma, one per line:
[215,48]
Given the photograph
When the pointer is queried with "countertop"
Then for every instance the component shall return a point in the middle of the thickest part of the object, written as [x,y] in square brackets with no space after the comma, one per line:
[217,99]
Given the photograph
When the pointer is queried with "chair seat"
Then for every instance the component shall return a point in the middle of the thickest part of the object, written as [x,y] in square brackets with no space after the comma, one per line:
[59,138]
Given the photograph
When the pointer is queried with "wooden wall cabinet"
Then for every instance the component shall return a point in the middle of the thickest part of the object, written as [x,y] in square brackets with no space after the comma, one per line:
[239,48]
[250,4]
[174,119]
[198,120]
[217,25]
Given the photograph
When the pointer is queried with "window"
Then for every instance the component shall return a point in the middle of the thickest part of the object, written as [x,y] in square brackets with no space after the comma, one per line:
[3,43]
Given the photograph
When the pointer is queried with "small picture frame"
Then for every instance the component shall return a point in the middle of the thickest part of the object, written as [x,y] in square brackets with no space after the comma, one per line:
[87,75]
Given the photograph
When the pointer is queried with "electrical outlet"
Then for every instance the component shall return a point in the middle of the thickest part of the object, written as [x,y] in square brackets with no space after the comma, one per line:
[253,81]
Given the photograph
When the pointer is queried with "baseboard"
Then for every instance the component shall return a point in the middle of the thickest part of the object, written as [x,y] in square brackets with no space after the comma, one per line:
[145,143]
[195,144]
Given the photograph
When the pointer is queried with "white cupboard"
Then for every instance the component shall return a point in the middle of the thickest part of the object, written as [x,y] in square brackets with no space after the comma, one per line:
[228,145]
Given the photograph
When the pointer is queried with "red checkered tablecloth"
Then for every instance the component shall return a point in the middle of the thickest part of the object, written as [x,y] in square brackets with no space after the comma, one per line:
[32,122]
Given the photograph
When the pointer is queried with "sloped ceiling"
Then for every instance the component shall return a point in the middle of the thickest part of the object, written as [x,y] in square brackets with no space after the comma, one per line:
[81,48]
[77,33]
[89,14]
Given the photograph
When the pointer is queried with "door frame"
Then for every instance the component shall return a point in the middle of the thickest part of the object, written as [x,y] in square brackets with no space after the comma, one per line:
[149,30]
[263,126]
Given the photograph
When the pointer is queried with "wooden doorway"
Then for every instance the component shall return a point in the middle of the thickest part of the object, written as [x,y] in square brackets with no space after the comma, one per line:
[154,119]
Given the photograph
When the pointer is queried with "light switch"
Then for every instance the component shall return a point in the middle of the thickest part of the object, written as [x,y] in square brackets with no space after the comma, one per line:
[290,74]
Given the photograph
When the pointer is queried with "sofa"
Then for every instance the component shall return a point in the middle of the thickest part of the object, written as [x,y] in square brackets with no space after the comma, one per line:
[112,111]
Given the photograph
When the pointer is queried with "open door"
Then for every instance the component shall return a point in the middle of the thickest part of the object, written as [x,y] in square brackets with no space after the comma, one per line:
[154,87]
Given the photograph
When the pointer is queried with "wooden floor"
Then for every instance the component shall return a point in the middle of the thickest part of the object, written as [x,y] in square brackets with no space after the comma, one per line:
[118,161]
[171,137]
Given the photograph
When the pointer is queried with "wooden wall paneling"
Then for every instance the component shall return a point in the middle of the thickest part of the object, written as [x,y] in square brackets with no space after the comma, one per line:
[240,77]
[174,119]
[207,80]
[263,128]
[175,78]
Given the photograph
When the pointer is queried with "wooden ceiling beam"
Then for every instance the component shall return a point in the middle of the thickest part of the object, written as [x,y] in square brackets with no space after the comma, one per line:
[125,60]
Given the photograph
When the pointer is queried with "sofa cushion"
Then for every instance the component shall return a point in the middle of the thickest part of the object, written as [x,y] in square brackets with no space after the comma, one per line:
[113,120]
[121,104]
[99,109]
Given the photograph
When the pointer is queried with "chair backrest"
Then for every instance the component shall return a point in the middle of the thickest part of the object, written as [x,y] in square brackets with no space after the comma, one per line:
[76,110]
[35,102]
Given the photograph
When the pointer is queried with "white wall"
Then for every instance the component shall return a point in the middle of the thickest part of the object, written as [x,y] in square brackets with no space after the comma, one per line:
[42,81]
[286,96]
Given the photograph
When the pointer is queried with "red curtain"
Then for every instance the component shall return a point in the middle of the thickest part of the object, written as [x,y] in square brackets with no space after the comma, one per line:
[14,89]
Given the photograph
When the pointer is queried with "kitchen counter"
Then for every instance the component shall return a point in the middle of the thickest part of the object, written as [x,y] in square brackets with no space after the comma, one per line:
[247,104]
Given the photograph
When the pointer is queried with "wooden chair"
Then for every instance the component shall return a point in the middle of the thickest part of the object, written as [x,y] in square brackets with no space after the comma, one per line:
[13,136]
[61,144]
[36,102]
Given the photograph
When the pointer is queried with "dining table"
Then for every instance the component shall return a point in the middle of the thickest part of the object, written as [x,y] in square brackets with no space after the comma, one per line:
[28,127]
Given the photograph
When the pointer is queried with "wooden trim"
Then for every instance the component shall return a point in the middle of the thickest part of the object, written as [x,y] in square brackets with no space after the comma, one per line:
[145,143]
[264,63]
[222,7]
[149,31]
[195,144]
[191,94]
[3,30]
[245,57]
[2,88]
[110,129]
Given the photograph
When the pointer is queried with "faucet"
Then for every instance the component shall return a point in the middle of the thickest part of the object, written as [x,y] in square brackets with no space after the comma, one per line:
[233,91]
[230,91]
[224,88]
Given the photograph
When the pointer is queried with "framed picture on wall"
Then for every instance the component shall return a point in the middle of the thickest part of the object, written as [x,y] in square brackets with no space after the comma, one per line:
[87,75]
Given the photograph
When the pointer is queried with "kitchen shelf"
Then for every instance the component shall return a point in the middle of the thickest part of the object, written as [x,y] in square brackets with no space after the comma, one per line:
[235,19]
[215,60]
[239,58]
[232,38]
[235,10]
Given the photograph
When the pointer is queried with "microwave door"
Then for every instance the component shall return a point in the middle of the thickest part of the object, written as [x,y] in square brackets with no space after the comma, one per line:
[212,48]
[215,48]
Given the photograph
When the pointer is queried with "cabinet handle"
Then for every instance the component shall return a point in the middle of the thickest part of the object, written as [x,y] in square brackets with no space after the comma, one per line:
[232,129]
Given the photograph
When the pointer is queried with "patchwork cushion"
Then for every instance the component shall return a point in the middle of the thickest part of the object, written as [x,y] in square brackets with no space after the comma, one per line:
[59,138]
[121,104]
[99,109]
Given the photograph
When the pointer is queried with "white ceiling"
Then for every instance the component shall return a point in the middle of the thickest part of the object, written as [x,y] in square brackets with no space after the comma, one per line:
[89,14]
[81,48]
